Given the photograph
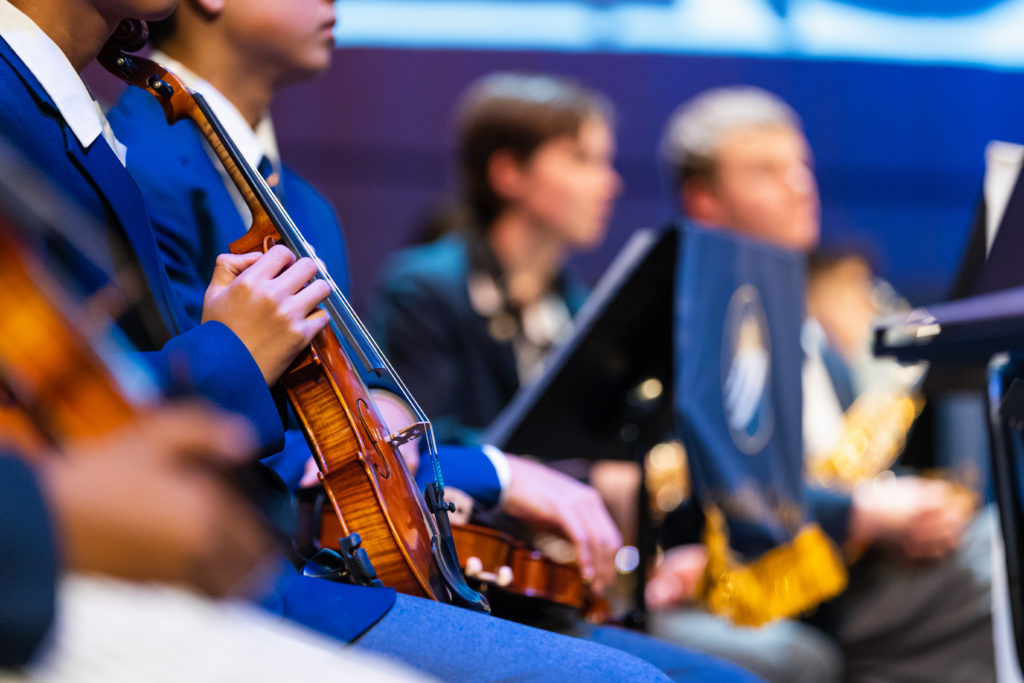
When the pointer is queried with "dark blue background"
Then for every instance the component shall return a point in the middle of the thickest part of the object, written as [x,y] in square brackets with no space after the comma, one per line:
[899,147]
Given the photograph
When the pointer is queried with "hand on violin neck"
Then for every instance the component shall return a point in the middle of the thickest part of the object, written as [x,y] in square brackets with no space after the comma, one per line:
[270,301]
[150,502]
[540,495]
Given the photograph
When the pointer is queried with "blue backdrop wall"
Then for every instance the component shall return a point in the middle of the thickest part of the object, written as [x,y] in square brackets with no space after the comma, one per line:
[899,146]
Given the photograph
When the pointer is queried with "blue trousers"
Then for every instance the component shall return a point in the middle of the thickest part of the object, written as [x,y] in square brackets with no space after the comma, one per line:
[456,644]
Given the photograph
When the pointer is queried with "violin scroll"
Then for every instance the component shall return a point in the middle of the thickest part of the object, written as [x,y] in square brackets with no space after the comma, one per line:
[131,35]
[175,98]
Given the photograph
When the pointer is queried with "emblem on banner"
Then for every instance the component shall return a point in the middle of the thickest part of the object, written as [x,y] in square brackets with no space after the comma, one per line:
[746,371]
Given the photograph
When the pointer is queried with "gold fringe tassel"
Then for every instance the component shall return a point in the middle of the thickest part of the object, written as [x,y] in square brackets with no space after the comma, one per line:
[784,582]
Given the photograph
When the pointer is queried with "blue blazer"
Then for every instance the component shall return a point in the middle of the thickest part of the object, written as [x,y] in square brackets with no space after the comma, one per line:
[192,211]
[195,219]
[209,358]
[28,573]
[190,234]
[422,316]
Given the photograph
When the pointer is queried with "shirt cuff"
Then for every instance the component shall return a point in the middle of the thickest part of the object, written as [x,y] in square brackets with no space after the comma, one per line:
[500,462]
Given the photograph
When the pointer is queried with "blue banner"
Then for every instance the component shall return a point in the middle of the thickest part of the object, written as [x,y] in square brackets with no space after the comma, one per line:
[739,310]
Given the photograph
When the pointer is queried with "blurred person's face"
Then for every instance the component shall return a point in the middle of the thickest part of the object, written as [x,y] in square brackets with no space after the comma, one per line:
[763,186]
[568,186]
[294,38]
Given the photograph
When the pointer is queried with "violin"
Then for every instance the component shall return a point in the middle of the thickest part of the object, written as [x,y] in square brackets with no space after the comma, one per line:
[499,562]
[56,385]
[492,560]
[385,529]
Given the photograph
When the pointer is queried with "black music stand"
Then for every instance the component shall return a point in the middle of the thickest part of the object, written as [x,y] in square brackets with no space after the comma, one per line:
[591,400]
[971,329]
[979,328]
[606,394]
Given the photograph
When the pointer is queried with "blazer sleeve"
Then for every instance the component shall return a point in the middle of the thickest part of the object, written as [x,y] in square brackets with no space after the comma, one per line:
[466,468]
[210,360]
[29,569]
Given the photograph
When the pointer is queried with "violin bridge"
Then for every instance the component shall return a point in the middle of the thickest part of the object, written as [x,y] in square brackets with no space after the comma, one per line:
[404,436]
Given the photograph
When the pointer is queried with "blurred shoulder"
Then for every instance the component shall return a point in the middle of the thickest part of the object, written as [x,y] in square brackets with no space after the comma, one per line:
[441,264]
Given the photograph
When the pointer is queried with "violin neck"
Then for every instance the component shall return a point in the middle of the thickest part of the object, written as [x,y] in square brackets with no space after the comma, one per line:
[257,195]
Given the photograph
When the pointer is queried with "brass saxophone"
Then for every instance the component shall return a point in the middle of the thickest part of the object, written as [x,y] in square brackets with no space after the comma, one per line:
[875,430]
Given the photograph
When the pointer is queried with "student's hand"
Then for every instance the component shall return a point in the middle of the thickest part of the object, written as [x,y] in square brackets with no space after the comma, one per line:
[922,518]
[540,495]
[677,576]
[270,303]
[151,502]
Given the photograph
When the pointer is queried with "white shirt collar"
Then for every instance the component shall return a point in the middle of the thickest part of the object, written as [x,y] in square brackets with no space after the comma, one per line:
[51,68]
[252,144]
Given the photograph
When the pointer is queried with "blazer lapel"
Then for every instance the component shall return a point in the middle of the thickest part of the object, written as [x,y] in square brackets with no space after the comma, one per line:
[104,170]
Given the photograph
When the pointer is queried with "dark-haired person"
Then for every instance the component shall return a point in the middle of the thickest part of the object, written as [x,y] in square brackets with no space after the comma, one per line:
[467,318]
[239,54]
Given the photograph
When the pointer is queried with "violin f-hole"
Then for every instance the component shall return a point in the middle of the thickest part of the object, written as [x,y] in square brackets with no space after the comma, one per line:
[379,463]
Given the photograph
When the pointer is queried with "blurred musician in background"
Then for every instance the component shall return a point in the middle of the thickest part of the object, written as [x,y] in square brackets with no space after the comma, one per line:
[847,390]
[740,162]
[468,318]
[239,55]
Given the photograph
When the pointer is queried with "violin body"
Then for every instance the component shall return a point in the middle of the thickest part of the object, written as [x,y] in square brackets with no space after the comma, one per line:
[370,490]
[495,558]
[500,562]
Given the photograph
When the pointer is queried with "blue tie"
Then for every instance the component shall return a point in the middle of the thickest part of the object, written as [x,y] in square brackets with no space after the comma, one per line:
[839,373]
[266,169]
